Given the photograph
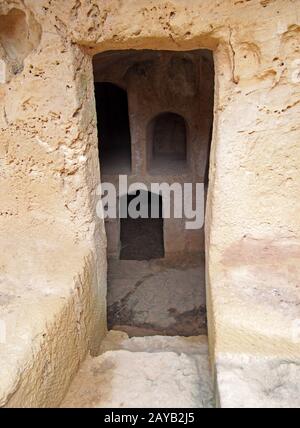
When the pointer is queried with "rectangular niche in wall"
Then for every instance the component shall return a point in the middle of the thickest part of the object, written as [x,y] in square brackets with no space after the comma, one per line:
[113,128]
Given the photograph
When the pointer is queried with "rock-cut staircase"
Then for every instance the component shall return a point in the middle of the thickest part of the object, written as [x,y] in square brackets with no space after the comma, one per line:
[144,372]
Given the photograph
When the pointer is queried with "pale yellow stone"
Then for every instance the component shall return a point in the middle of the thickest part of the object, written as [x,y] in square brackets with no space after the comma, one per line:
[49,234]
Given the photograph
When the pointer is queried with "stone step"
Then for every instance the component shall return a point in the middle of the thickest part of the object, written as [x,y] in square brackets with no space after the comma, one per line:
[117,340]
[158,371]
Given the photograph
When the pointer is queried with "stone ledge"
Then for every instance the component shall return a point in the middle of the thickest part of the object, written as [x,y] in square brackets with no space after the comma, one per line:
[48,315]
[247,381]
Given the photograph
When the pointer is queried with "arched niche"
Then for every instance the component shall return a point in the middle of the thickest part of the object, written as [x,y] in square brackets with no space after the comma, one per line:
[167,143]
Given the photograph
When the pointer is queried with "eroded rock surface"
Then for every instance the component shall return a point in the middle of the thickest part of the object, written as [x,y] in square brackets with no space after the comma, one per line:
[147,372]
[158,297]
[50,170]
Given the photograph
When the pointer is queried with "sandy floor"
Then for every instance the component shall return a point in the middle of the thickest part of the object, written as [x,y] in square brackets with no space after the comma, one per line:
[163,372]
[157,297]
[151,300]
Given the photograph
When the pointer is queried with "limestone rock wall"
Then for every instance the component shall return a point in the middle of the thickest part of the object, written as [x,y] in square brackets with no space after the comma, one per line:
[53,261]
[49,167]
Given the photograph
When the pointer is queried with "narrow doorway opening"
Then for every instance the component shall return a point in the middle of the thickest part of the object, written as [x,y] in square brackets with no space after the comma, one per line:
[157,131]
[113,128]
[142,238]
